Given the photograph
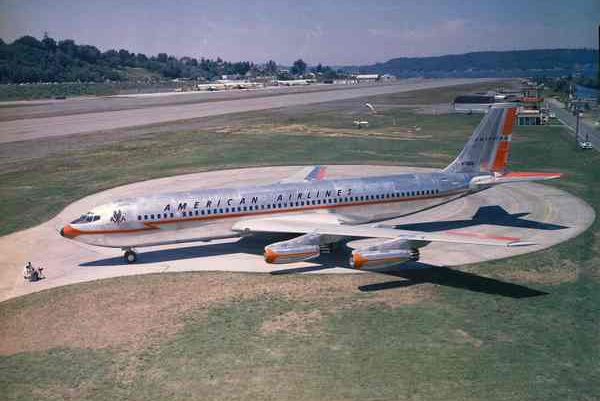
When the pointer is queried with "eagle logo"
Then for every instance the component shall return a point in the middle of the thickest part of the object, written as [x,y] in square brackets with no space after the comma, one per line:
[118,217]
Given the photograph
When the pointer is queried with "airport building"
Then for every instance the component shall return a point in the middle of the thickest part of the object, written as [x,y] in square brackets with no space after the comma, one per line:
[530,110]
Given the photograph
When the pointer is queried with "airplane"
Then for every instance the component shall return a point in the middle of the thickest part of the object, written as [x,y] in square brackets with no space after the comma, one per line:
[321,212]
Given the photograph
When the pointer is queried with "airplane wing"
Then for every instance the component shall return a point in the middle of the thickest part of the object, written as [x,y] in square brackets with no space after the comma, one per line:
[307,174]
[303,224]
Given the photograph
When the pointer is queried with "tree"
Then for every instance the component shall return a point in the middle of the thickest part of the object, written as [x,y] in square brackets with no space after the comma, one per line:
[299,67]
[271,67]
[162,57]
[48,42]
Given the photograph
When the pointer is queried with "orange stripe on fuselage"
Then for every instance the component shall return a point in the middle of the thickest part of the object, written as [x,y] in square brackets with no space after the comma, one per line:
[152,225]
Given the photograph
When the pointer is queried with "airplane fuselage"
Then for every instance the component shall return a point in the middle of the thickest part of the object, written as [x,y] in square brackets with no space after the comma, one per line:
[212,213]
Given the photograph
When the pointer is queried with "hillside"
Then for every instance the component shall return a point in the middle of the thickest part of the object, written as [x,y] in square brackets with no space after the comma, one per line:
[549,62]
[28,59]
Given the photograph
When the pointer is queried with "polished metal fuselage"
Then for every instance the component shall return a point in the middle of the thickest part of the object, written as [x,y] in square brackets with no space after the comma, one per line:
[212,213]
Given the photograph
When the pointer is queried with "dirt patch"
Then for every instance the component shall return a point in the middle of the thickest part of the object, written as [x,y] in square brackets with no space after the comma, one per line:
[462,337]
[303,129]
[293,322]
[405,296]
[139,311]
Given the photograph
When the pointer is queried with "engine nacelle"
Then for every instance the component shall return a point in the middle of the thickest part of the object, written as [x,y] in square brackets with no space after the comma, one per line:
[291,255]
[387,254]
[298,249]
[378,260]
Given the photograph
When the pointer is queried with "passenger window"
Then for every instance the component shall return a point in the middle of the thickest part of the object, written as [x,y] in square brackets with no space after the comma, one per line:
[172,215]
[152,216]
[207,211]
[158,216]
[96,218]
[202,212]
[145,217]
[220,210]
[139,217]
[214,211]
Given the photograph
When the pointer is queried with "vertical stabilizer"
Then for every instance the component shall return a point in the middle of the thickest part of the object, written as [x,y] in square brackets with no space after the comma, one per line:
[487,149]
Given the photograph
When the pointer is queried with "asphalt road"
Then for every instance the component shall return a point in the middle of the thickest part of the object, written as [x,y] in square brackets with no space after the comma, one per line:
[137,111]
[569,120]
[538,213]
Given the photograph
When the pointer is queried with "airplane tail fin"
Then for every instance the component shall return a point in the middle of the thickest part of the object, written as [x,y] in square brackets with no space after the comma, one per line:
[487,149]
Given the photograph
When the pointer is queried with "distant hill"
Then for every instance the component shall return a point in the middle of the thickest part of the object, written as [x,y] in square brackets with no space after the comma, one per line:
[548,62]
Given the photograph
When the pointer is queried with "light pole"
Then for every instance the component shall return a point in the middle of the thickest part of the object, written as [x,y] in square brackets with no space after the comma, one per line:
[577,125]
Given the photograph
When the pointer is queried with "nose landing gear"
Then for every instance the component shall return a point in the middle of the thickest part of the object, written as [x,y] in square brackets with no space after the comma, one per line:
[130,256]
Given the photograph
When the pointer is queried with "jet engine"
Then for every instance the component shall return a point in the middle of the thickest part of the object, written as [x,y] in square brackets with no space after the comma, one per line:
[386,254]
[301,248]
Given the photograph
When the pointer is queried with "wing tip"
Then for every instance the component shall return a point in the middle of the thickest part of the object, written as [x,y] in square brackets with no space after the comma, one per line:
[515,244]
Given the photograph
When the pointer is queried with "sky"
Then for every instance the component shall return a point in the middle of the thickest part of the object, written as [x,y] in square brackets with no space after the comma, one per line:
[337,32]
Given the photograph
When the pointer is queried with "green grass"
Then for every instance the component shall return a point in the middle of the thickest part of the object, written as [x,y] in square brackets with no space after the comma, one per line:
[48,91]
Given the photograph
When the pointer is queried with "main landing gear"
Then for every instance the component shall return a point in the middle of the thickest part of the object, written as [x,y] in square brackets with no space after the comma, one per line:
[130,256]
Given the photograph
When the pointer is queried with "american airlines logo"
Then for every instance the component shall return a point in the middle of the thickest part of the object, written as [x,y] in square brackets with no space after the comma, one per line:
[118,217]
[252,200]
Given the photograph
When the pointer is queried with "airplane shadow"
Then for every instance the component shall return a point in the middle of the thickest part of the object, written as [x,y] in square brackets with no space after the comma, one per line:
[414,273]
[492,215]
[250,245]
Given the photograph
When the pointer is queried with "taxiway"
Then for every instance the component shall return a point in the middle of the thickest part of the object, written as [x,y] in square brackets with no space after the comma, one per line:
[539,213]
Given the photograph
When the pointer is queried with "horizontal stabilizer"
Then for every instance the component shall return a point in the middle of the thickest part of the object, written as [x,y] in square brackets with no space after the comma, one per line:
[516,176]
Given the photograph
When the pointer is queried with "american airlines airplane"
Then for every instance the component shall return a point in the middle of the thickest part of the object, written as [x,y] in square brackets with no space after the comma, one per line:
[321,212]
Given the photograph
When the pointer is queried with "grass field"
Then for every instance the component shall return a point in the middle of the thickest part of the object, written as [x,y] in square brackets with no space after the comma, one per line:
[525,328]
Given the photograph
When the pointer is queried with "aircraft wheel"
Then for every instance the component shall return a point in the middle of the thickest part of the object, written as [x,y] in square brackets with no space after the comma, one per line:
[130,257]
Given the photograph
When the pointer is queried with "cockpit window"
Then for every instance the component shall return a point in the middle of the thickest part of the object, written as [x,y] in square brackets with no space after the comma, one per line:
[86,218]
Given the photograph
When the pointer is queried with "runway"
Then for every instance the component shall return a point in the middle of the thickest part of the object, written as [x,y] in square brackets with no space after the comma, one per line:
[538,213]
[53,119]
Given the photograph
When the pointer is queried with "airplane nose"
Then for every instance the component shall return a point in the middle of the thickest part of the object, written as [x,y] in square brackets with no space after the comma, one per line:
[69,232]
